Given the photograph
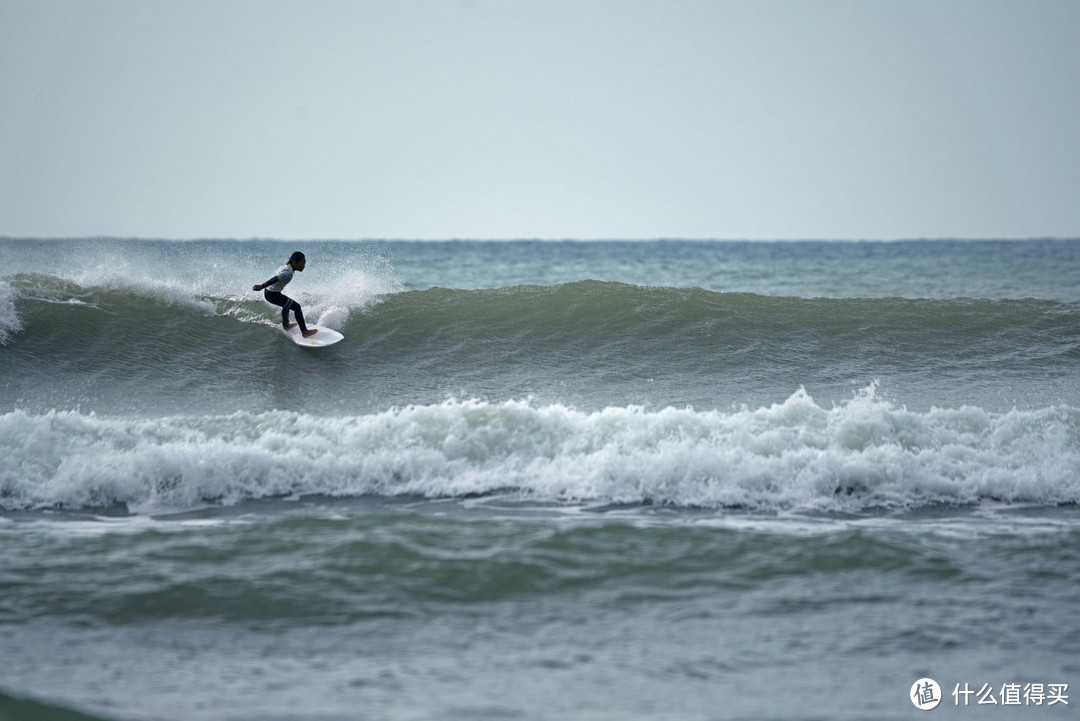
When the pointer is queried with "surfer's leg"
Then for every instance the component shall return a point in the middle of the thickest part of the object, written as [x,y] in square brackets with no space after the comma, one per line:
[287,304]
[300,319]
[272,296]
[299,313]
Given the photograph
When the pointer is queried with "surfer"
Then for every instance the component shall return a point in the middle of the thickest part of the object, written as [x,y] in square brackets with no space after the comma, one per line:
[272,292]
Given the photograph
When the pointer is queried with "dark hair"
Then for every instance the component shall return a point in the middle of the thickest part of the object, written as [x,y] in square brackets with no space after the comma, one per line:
[296,257]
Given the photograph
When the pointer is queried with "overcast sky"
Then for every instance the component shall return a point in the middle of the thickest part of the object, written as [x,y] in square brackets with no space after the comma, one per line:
[520,119]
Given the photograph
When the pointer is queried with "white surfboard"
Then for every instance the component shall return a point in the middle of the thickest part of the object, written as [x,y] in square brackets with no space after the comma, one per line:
[325,336]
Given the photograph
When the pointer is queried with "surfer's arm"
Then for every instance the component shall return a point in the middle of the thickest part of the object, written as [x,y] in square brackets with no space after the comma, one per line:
[264,285]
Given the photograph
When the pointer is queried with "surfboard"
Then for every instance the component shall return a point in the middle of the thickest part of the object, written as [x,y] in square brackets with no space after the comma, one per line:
[325,336]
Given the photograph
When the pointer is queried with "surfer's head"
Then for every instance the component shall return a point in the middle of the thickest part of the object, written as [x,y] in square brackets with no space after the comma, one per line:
[298,261]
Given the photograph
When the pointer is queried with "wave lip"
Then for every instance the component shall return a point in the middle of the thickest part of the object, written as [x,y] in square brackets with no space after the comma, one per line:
[862,454]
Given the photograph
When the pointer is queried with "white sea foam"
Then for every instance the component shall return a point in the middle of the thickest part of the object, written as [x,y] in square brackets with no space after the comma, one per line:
[863,453]
[175,291]
[9,318]
[351,284]
[348,291]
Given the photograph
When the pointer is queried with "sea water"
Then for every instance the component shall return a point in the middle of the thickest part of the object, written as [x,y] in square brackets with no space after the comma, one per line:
[540,480]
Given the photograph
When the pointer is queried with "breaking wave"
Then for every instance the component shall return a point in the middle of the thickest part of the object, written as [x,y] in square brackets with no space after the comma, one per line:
[861,454]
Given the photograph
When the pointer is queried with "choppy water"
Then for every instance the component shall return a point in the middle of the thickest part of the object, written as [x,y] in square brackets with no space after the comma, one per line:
[607,480]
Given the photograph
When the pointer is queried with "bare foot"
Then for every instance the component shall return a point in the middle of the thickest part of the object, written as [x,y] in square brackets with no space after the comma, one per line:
[309,333]
[289,325]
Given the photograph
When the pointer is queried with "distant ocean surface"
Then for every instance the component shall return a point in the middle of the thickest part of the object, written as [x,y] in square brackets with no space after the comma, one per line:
[540,480]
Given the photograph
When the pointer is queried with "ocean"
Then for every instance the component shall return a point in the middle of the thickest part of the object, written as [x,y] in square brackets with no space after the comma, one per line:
[605,480]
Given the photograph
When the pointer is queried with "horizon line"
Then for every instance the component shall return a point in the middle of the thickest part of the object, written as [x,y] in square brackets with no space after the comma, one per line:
[461,239]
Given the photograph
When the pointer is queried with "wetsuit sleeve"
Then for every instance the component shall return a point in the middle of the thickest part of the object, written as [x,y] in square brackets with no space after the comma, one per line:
[270,282]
